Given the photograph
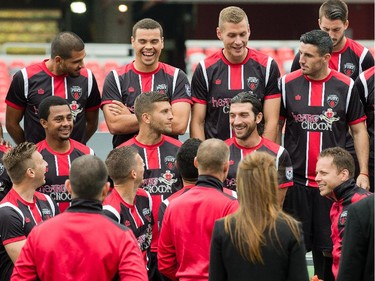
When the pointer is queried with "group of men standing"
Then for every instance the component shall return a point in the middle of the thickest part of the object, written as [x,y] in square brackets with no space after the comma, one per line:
[237,103]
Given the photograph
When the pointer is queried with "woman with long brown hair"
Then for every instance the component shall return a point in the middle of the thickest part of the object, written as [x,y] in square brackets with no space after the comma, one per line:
[259,241]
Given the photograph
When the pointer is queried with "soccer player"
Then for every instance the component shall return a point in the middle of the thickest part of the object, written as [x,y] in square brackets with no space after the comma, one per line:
[235,68]
[318,105]
[245,117]
[184,242]
[58,148]
[146,73]
[365,85]
[82,243]
[335,178]
[62,75]
[23,207]
[128,204]
[158,151]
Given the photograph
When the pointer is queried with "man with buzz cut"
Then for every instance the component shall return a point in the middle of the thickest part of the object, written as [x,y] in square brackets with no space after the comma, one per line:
[146,73]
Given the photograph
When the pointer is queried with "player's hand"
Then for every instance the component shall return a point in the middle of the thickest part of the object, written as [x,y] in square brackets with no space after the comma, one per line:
[363,181]
[315,278]
[118,108]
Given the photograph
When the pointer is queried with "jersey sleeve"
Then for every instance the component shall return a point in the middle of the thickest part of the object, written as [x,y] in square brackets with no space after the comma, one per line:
[283,98]
[111,88]
[94,99]
[285,169]
[15,97]
[199,88]
[368,61]
[11,225]
[272,89]
[182,91]
[355,113]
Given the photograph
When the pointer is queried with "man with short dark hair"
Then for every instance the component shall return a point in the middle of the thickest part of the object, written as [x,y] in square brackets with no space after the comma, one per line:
[158,151]
[82,243]
[58,148]
[319,104]
[184,242]
[61,75]
[23,207]
[335,177]
[146,73]
[128,204]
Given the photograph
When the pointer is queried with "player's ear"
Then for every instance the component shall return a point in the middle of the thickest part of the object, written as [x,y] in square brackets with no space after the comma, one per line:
[68,186]
[105,191]
[218,33]
[43,122]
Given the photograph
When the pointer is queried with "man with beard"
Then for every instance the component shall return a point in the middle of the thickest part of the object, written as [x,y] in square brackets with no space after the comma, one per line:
[146,73]
[62,75]
[245,118]
[58,149]
[158,151]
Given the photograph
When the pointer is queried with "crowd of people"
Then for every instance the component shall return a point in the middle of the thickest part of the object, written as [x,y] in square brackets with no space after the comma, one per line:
[229,202]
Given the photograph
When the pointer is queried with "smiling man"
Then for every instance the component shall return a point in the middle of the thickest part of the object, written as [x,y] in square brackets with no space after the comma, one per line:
[58,149]
[61,75]
[234,69]
[146,73]
[334,175]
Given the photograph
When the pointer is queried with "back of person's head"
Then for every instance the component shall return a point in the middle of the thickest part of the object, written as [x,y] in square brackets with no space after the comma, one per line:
[232,14]
[64,43]
[88,174]
[45,105]
[144,103]
[334,10]
[341,158]
[120,162]
[147,23]
[185,159]
[212,156]
[320,39]
[17,160]
[257,189]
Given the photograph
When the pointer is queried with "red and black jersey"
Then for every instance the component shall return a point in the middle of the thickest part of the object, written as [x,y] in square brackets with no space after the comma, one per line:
[352,60]
[317,116]
[161,177]
[32,84]
[58,170]
[5,182]
[365,85]
[216,81]
[137,216]
[94,248]
[126,83]
[17,218]
[343,196]
[282,159]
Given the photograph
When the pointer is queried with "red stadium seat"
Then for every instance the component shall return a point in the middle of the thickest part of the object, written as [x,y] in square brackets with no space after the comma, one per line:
[268,51]
[211,50]
[285,53]
[193,50]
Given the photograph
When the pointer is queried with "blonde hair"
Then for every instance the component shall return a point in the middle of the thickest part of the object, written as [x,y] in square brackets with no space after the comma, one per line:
[232,14]
[257,187]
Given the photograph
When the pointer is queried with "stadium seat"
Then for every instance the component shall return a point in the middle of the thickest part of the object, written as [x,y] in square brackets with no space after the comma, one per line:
[268,51]
[285,53]
[110,65]
[211,50]
[193,50]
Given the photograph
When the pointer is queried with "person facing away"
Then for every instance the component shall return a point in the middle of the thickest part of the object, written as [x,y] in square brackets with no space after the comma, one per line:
[319,104]
[58,148]
[63,75]
[259,239]
[158,151]
[128,204]
[235,68]
[184,242]
[22,208]
[245,118]
[146,73]
[357,255]
[348,56]
[82,243]
[335,177]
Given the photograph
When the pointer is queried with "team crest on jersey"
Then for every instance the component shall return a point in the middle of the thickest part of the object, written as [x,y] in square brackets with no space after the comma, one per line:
[75,109]
[253,83]
[162,88]
[332,100]
[167,178]
[188,90]
[169,161]
[343,216]
[146,213]
[289,173]
[76,92]
[329,116]
[349,69]
[1,169]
